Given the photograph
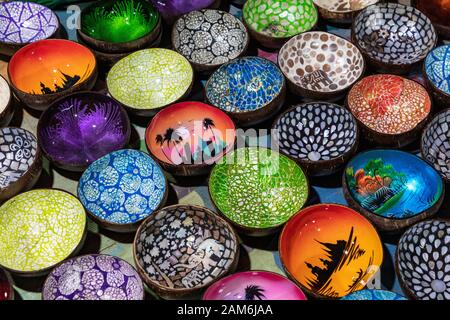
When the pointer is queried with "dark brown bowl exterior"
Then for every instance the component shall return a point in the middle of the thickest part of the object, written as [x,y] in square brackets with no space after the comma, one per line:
[435,7]
[343,18]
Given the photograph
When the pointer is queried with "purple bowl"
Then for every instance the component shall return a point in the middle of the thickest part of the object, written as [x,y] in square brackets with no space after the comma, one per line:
[81,128]
[93,277]
[172,9]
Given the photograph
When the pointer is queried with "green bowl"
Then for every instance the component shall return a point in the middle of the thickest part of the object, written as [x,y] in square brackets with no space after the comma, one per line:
[257,189]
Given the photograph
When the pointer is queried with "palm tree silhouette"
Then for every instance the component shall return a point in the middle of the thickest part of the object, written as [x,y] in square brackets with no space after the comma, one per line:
[171,137]
[160,140]
[209,124]
[253,292]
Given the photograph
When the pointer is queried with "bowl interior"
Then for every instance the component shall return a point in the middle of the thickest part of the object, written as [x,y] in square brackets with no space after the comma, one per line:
[150,78]
[18,153]
[330,250]
[244,85]
[119,21]
[83,127]
[189,133]
[394,34]
[25,22]
[389,104]
[6,288]
[258,188]
[122,187]
[5,94]
[423,259]
[209,37]
[280,18]
[370,294]
[185,247]
[321,62]
[93,277]
[343,6]
[437,68]
[316,132]
[393,184]
[254,285]
[50,66]
[46,224]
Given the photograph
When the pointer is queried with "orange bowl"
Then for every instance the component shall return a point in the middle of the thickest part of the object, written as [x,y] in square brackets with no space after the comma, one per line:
[330,250]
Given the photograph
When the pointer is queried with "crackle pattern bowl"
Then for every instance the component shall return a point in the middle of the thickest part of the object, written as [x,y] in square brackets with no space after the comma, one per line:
[437,74]
[320,65]
[93,277]
[82,127]
[39,229]
[373,295]
[254,285]
[6,287]
[330,250]
[341,11]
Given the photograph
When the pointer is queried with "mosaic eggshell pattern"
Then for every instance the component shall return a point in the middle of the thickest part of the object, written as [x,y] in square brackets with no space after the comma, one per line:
[18,149]
[150,78]
[394,33]
[423,260]
[280,18]
[185,246]
[39,229]
[122,187]
[389,104]
[320,61]
[93,277]
[209,37]
[437,68]
[316,132]
[5,94]
[372,295]
[245,84]
[342,6]
[26,22]
[257,187]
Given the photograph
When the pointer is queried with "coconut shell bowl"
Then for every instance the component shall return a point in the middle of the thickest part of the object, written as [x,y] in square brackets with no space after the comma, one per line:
[273,22]
[257,189]
[390,110]
[249,89]
[393,189]
[438,11]
[6,286]
[173,9]
[254,285]
[39,229]
[320,65]
[320,136]
[93,277]
[20,162]
[330,250]
[209,38]
[23,23]
[34,79]
[437,74]
[121,189]
[373,295]
[393,37]
[423,259]
[182,249]
[7,103]
[187,138]
[150,79]
[341,11]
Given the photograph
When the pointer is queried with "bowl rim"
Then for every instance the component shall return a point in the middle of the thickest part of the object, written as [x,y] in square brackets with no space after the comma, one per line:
[11,96]
[148,280]
[47,278]
[344,11]
[427,78]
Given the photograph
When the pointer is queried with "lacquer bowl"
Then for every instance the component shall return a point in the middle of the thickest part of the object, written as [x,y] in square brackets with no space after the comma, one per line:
[341,11]
[148,80]
[438,11]
[182,249]
[257,189]
[121,189]
[6,287]
[422,260]
[187,138]
[434,146]
[172,9]
[393,189]
[20,162]
[7,103]
[373,295]
[82,127]
[391,110]
[330,250]
[437,74]
[320,136]
[393,37]
[39,229]
[320,65]
[47,70]
[254,285]
[23,23]
[93,277]
[249,89]
[273,22]
[209,38]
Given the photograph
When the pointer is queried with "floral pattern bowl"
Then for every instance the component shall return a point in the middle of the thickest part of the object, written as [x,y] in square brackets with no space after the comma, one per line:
[437,74]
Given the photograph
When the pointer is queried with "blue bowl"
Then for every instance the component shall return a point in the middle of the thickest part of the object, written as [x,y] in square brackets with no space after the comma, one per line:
[368,294]
[437,73]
